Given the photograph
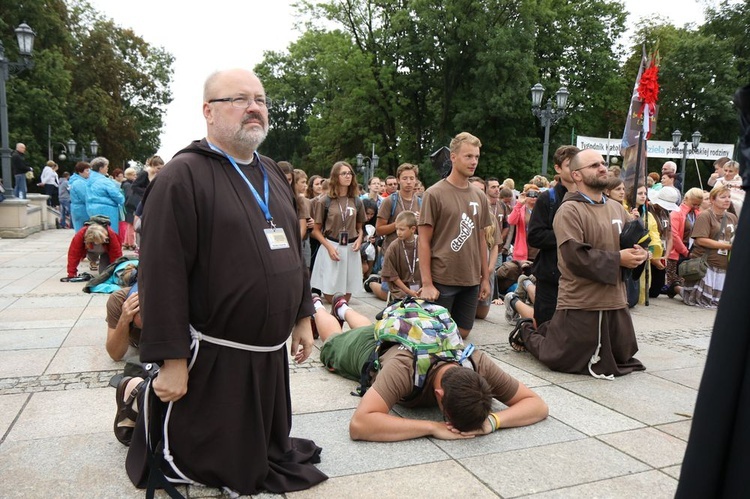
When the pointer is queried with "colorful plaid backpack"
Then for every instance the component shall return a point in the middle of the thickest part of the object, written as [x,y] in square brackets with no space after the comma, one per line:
[427,330]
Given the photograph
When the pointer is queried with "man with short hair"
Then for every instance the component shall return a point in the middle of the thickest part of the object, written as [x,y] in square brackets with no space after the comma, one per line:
[123,322]
[221,256]
[452,248]
[391,186]
[671,167]
[542,235]
[402,200]
[464,395]
[19,169]
[499,213]
[591,330]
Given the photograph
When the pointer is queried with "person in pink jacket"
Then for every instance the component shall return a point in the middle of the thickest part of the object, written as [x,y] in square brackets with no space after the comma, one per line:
[682,222]
[520,218]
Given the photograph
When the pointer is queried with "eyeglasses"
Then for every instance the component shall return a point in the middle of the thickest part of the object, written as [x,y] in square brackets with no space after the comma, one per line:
[532,194]
[345,174]
[244,102]
[597,165]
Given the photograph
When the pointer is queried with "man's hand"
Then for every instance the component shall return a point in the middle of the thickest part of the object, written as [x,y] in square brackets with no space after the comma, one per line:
[130,307]
[444,431]
[302,340]
[632,257]
[659,263]
[484,289]
[486,429]
[171,383]
[429,293]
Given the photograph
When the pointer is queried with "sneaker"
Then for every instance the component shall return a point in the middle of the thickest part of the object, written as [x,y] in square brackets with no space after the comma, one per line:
[510,314]
[338,300]
[520,289]
[369,280]
[316,298]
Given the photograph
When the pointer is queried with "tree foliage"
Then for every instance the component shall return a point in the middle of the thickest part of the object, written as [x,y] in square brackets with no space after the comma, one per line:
[92,79]
[407,75]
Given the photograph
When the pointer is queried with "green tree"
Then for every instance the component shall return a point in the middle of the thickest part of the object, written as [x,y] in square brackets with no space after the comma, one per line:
[408,75]
[729,22]
[91,80]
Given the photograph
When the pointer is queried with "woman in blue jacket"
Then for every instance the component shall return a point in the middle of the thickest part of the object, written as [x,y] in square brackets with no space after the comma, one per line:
[77,183]
[103,195]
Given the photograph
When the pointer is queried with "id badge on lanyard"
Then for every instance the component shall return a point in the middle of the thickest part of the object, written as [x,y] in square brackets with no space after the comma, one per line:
[275,235]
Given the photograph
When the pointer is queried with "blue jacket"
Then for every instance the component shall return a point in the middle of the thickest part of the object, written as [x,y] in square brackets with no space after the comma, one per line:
[104,197]
[78,211]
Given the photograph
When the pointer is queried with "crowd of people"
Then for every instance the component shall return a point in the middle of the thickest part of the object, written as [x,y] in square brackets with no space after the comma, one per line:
[239,252]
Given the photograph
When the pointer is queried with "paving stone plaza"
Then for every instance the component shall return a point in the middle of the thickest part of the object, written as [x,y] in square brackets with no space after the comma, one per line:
[623,438]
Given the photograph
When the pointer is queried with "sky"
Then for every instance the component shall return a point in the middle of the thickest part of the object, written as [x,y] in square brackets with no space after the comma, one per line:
[206,36]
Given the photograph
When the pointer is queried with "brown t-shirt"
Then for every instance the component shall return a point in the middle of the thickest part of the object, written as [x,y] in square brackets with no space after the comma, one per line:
[384,212]
[458,217]
[343,215]
[708,225]
[401,261]
[114,311]
[588,254]
[303,207]
[395,380]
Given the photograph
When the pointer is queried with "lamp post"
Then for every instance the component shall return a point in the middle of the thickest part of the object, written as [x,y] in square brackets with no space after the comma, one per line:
[25,37]
[93,147]
[549,115]
[367,165]
[676,136]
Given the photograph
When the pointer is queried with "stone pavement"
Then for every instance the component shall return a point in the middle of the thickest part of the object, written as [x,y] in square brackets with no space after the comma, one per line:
[623,438]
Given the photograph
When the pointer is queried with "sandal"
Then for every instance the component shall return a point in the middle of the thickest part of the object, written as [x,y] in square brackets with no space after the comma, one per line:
[514,338]
[125,411]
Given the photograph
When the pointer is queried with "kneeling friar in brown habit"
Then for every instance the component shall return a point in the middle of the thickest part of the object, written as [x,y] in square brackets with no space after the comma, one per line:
[221,268]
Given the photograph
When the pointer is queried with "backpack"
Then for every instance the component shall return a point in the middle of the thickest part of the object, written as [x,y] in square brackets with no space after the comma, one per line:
[394,198]
[102,220]
[424,328]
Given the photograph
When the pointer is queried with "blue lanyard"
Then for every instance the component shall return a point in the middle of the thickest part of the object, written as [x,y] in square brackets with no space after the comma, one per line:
[604,198]
[262,202]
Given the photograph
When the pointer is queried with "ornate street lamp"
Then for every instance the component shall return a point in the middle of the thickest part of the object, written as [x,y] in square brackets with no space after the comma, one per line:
[367,165]
[676,136]
[93,147]
[25,37]
[548,115]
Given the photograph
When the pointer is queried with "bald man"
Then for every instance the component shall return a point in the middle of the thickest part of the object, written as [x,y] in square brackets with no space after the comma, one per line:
[20,169]
[221,253]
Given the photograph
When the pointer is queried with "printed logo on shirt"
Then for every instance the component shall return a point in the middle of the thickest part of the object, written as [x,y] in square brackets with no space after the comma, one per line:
[618,221]
[466,227]
[475,206]
[349,211]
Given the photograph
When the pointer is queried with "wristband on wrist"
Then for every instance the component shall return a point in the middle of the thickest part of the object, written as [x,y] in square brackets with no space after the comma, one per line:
[496,425]
[493,427]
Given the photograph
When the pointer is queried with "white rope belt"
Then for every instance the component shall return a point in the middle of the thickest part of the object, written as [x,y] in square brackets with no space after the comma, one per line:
[595,358]
[197,337]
